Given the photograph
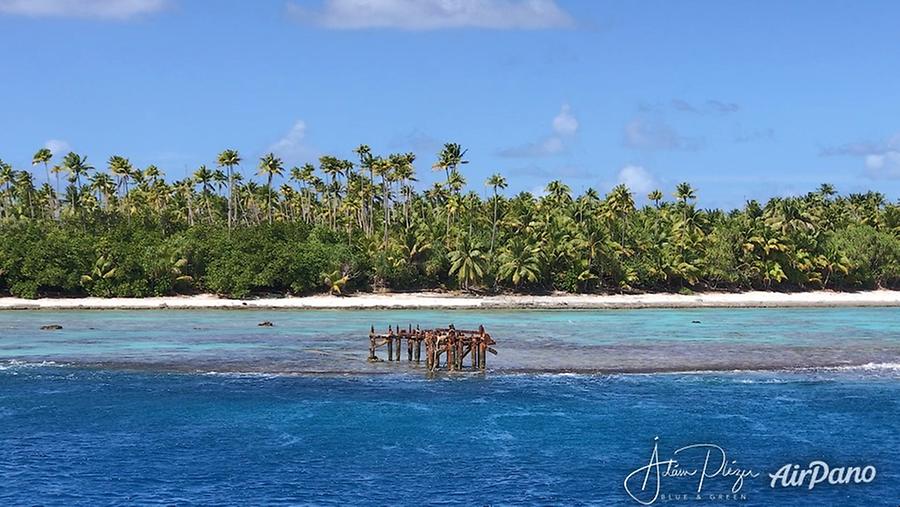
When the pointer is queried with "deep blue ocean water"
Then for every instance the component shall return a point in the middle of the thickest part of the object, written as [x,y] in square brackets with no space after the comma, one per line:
[125,408]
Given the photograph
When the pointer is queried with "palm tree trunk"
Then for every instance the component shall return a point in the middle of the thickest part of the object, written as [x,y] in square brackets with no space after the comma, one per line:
[230,193]
[384,204]
[406,205]
[494,227]
[190,206]
[269,197]
[371,200]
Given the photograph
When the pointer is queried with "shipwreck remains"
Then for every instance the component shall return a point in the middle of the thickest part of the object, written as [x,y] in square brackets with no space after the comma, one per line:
[451,344]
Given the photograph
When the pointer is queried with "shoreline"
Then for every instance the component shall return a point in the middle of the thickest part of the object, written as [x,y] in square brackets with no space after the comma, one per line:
[422,300]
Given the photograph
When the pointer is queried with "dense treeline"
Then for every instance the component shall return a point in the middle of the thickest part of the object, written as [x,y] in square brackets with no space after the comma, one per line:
[358,225]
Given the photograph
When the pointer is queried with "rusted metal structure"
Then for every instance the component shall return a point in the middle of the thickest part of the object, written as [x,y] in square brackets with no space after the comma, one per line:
[447,348]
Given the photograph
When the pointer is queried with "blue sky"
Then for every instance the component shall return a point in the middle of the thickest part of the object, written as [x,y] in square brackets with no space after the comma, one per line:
[744,100]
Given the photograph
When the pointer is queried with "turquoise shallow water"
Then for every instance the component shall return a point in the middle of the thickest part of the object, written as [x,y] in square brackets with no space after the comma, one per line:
[206,408]
[580,341]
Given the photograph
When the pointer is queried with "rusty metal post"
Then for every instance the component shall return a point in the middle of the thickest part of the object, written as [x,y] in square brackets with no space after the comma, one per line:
[450,362]
[390,343]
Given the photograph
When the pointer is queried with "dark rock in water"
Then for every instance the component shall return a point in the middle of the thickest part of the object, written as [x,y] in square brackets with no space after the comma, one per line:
[265,323]
[695,322]
[51,327]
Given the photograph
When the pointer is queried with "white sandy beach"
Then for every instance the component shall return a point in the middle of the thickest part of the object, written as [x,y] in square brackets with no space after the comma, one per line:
[450,301]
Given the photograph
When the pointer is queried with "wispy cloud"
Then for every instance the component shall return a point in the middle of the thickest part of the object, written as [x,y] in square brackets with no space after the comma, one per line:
[434,14]
[293,147]
[749,136]
[862,148]
[709,106]
[418,141]
[654,134]
[58,147]
[881,158]
[566,172]
[97,9]
[564,125]
[543,148]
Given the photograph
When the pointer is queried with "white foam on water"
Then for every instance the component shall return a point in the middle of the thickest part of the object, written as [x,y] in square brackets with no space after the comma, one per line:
[15,364]
[243,374]
[869,367]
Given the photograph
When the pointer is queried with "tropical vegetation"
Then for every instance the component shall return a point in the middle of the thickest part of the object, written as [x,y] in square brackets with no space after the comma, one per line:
[348,225]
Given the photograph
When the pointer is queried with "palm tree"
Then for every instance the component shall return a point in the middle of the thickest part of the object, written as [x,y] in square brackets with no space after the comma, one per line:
[791,217]
[6,178]
[185,189]
[335,282]
[366,161]
[684,192]
[205,178]
[467,263]
[104,186]
[332,167]
[304,176]
[229,159]
[496,181]
[77,166]
[56,170]
[451,156]
[620,204]
[43,156]
[270,166]
[519,262]
[827,190]
[404,172]
[152,174]
[24,188]
[122,169]
[655,196]
[383,168]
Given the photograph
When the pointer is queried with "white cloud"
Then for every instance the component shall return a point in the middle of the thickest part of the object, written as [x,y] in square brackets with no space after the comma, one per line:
[637,179]
[57,147]
[435,14]
[565,126]
[565,123]
[884,165]
[99,9]
[292,147]
[875,161]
